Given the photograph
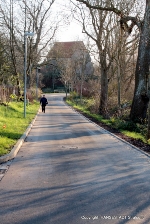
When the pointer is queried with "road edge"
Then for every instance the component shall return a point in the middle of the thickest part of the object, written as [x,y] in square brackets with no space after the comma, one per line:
[19,143]
[132,146]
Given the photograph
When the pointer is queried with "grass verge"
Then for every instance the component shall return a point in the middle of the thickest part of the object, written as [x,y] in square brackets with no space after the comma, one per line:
[13,124]
[128,128]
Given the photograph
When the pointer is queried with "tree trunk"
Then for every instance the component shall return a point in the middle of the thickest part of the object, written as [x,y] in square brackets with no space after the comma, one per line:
[140,100]
[104,93]
[148,128]
[119,79]
[12,50]
[104,84]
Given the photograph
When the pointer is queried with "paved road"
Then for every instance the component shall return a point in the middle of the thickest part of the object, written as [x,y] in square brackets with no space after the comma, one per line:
[70,171]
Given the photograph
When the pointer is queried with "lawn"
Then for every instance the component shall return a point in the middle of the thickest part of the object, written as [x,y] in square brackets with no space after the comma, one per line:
[13,124]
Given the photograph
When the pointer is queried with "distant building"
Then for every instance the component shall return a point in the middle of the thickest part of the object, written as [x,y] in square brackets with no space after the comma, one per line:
[73,60]
[66,49]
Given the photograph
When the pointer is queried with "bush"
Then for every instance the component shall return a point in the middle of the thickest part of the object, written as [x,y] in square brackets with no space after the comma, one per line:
[129,126]
[13,97]
[47,90]
[73,96]
[89,103]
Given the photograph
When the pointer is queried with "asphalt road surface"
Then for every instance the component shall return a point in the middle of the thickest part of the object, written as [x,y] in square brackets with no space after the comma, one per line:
[70,171]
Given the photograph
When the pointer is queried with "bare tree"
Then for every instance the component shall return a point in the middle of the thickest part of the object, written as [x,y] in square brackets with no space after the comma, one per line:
[74,62]
[122,67]
[30,16]
[97,25]
[5,64]
[140,100]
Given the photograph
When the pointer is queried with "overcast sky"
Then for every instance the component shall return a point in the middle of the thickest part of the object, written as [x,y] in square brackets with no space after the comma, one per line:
[71,31]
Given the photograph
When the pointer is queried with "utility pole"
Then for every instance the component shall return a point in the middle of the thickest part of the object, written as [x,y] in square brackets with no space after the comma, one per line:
[25,59]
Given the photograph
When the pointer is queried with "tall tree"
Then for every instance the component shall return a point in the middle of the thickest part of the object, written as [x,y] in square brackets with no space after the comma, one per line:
[73,60]
[5,65]
[140,100]
[122,68]
[98,26]
[28,16]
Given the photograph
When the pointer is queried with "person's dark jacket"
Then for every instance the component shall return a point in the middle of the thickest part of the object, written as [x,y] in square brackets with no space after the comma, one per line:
[43,101]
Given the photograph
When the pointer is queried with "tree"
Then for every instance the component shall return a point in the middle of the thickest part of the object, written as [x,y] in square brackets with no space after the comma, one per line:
[5,64]
[30,16]
[140,100]
[123,65]
[81,62]
[51,73]
[73,60]
[98,25]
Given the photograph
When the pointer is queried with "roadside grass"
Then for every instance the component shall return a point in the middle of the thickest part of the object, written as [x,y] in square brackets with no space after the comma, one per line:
[128,128]
[135,135]
[13,124]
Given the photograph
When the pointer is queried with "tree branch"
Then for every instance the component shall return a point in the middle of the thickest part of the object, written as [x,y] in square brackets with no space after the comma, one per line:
[123,18]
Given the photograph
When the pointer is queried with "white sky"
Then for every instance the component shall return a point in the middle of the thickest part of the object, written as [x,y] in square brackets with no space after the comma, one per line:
[72,31]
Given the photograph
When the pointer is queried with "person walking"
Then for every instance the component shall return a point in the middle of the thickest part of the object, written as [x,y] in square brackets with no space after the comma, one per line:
[43,102]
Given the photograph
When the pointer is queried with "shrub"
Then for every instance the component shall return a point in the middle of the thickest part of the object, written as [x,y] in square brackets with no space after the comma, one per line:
[129,126]
[73,96]
[47,90]
[13,97]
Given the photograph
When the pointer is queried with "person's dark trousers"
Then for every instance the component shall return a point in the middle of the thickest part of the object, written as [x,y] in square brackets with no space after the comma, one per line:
[43,108]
